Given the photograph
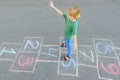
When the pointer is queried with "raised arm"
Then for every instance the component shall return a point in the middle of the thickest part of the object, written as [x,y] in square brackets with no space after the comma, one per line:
[57,10]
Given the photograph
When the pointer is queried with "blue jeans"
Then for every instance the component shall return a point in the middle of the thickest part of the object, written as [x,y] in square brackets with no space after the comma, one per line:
[69,44]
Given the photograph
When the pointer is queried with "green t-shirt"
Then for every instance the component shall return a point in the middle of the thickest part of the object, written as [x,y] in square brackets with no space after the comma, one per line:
[70,28]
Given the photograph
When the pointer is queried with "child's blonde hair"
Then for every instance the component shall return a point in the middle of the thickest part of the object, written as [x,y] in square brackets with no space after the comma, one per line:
[73,11]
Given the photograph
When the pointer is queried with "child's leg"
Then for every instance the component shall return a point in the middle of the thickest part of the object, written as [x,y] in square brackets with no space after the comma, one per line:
[68,44]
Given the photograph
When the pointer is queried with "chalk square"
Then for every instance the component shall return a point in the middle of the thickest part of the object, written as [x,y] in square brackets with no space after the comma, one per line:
[87,73]
[45,71]
[9,50]
[68,67]
[104,47]
[24,62]
[49,53]
[86,55]
[108,68]
[31,44]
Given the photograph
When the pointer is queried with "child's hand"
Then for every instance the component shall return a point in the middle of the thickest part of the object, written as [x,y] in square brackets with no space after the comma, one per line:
[51,4]
[57,10]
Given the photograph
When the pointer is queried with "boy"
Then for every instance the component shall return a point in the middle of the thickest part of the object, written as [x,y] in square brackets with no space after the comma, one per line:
[70,30]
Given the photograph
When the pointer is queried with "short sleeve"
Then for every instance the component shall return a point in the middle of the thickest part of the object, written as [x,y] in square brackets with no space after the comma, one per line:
[64,15]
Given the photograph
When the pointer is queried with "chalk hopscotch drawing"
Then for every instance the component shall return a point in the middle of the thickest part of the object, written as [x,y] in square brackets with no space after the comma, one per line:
[25,58]
[107,61]
[108,68]
[28,61]
[8,51]
[102,56]
[49,53]
[70,67]
[89,57]
[86,55]
[71,62]
[107,48]
[30,43]
[104,47]
[111,66]
[9,48]
[12,51]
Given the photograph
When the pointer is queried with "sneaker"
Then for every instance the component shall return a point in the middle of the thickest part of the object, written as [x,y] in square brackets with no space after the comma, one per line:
[66,58]
[63,45]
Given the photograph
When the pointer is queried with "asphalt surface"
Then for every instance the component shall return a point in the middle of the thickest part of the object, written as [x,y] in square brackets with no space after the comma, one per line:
[30,33]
